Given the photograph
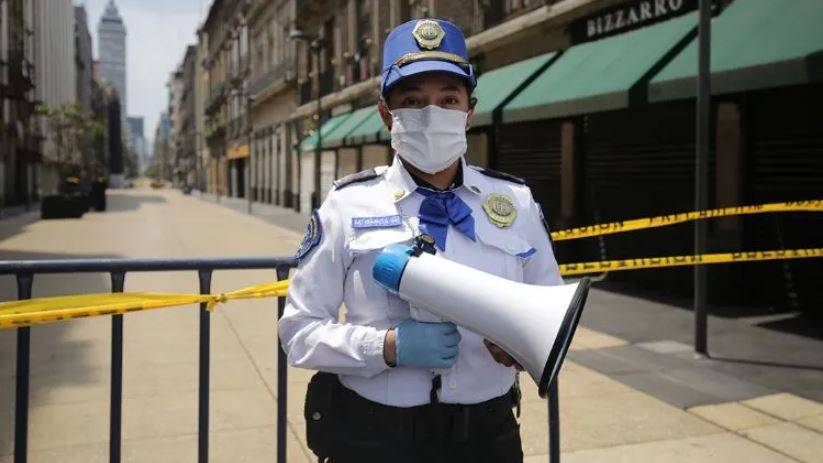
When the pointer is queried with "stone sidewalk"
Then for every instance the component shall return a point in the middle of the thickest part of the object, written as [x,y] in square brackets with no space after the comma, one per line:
[602,419]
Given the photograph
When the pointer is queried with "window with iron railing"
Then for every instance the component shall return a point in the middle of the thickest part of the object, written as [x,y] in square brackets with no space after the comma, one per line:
[277,74]
[326,82]
[305,91]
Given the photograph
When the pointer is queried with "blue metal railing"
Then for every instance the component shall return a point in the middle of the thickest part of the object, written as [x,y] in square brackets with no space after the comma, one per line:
[25,271]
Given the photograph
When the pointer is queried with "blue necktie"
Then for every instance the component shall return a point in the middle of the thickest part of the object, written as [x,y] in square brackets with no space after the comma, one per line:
[441,208]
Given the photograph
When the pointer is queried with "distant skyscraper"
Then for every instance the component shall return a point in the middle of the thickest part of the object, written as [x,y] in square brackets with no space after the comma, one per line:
[138,141]
[111,40]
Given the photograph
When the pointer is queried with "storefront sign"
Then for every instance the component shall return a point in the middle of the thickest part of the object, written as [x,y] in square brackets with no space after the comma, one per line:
[240,151]
[627,17]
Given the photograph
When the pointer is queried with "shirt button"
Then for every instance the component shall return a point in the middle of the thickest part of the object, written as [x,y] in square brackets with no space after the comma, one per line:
[452,384]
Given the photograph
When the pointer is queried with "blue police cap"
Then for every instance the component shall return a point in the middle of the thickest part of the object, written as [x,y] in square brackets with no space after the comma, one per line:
[425,45]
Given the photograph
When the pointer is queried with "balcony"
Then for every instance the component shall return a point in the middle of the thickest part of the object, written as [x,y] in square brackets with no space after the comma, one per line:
[326,82]
[305,89]
[275,76]
[238,128]
[497,12]
[216,98]
[311,7]
[20,75]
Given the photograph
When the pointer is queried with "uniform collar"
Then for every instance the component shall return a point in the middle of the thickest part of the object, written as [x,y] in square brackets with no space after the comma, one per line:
[402,184]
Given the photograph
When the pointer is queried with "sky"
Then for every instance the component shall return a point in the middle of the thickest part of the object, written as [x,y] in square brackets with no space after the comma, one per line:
[157,34]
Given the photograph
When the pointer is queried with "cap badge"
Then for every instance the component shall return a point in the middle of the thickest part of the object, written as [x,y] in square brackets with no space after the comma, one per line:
[428,34]
[500,210]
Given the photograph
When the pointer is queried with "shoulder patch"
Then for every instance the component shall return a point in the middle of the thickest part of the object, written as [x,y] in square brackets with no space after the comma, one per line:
[311,238]
[350,179]
[501,175]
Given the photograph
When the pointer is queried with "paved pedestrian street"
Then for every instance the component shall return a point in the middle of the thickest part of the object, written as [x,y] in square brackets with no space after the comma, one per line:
[602,419]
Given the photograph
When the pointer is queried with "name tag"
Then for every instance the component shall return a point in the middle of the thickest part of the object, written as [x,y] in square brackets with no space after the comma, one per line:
[376,222]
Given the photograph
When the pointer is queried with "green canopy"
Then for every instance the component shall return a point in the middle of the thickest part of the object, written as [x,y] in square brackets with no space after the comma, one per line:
[599,75]
[494,87]
[310,143]
[336,137]
[755,44]
[367,131]
[384,134]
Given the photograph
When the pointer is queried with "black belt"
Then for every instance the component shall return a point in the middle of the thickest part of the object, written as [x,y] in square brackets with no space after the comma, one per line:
[429,422]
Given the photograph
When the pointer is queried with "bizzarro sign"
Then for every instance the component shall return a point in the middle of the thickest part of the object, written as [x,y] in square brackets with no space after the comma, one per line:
[627,17]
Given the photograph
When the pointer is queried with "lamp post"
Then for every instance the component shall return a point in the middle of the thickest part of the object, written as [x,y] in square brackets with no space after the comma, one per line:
[316,47]
[701,171]
[249,134]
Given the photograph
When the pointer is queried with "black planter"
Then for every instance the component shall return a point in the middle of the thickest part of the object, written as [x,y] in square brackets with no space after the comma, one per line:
[97,196]
[63,207]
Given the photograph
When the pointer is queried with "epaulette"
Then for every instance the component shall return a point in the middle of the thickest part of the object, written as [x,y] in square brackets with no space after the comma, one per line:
[500,175]
[367,174]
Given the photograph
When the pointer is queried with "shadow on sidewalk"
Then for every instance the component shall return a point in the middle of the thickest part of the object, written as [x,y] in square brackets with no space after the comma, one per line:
[61,355]
[119,202]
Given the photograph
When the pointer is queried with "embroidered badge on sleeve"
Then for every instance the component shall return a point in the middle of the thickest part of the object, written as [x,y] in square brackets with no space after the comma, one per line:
[311,238]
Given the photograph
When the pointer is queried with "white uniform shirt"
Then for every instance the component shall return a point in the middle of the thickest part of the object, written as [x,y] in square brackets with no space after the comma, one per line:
[339,270]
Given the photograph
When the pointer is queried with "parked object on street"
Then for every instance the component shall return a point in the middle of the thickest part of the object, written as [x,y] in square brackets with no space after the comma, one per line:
[97,195]
[63,206]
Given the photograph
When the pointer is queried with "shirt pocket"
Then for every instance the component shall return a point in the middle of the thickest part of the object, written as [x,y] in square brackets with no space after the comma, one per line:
[366,240]
[364,246]
[513,250]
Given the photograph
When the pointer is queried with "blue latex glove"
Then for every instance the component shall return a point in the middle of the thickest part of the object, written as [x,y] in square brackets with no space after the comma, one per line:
[426,345]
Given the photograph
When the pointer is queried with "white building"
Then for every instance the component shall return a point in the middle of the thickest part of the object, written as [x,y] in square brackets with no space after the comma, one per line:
[56,81]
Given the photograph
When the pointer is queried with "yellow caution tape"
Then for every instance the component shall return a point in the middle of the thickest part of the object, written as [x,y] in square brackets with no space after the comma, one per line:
[29,312]
[815,205]
[16,314]
[679,261]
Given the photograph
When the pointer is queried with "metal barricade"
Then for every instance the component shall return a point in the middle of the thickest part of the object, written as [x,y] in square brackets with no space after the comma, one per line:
[25,271]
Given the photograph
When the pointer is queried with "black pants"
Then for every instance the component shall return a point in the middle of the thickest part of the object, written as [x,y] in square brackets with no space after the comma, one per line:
[365,432]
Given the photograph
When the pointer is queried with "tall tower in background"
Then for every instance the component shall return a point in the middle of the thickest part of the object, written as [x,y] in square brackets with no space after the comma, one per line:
[111,40]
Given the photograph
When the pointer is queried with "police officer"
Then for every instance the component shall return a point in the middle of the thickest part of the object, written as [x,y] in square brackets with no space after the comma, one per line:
[396,389]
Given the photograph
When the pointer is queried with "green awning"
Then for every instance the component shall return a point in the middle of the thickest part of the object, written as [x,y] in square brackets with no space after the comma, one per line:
[309,143]
[494,87]
[599,75]
[384,135]
[367,131]
[335,138]
[755,44]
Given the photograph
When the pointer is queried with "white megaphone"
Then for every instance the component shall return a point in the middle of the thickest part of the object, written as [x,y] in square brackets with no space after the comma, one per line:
[534,324]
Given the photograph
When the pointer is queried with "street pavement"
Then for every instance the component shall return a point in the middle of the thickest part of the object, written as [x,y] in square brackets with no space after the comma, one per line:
[606,413]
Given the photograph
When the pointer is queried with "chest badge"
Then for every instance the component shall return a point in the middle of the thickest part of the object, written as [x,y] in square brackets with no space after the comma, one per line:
[428,34]
[500,210]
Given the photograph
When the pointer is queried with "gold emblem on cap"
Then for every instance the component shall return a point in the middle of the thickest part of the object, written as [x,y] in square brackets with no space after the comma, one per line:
[428,34]
[500,210]
[399,193]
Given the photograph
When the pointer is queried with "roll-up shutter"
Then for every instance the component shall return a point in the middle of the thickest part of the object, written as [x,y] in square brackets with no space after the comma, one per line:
[785,163]
[531,150]
[636,164]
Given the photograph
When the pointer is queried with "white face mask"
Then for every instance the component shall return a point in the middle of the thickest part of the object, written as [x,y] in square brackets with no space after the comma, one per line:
[431,138]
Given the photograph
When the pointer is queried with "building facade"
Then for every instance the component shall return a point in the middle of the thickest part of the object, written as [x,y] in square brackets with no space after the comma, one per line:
[111,41]
[200,92]
[19,141]
[590,101]
[273,92]
[185,129]
[138,141]
[54,38]
[176,115]
[161,149]
[83,47]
